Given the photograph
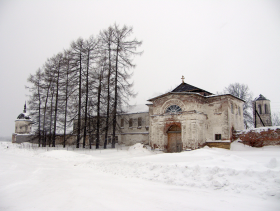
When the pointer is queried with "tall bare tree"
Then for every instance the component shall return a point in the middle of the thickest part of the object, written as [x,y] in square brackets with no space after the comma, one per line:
[124,52]
[68,85]
[107,45]
[90,55]
[77,53]
[35,103]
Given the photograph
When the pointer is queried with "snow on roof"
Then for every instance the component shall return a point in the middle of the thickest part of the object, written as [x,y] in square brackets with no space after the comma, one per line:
[23,116]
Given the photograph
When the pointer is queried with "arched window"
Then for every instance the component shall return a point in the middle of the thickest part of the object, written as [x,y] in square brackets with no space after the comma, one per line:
[173,109]
[265,109]
[260,109]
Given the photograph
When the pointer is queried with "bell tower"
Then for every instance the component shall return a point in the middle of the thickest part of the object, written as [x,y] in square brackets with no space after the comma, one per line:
[261,112]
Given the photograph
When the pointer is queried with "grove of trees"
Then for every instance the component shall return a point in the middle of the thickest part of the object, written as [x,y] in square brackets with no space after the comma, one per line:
[90,79]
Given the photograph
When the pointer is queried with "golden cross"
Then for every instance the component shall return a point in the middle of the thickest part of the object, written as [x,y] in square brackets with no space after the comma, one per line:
[183,79]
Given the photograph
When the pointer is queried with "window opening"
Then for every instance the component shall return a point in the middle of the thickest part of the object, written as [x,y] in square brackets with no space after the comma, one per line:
[218,137]
[173,109]
[122,122]
[139,121]
[260,109]
[130,122]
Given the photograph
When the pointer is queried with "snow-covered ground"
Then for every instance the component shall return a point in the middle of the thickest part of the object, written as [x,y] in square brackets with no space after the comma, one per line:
[136,178]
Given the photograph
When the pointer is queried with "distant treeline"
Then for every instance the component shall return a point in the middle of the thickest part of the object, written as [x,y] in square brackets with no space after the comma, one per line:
[5,138]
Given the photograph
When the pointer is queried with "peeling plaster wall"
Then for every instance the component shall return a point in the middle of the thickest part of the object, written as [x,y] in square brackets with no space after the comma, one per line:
[131,139]
[221,118]
[23,126]
[201,118]
[134,134]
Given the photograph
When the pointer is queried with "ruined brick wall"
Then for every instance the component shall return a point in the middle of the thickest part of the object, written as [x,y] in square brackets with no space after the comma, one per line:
[259,137]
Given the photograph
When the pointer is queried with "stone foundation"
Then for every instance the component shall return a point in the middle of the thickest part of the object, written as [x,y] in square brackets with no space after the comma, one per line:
[224,145]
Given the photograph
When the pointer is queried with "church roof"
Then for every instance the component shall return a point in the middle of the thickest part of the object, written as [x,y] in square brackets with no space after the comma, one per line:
[23,116]
[184,87]
[261,97]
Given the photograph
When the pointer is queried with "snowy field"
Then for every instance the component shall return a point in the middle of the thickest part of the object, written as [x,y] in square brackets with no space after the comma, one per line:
[136,178]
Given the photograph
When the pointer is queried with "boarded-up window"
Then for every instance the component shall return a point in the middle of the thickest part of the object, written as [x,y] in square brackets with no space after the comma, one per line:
[122,122]
[139,121]
[218,137]
[130,122]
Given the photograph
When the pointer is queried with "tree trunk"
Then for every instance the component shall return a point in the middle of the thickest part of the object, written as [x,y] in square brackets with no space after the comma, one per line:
[116,97]
[56,103]
[108,95]
[80,103]
[50,132]
[86,104]
[66,102]
[98,112]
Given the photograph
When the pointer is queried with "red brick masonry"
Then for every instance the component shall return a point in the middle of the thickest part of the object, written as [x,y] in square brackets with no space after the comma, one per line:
[259,137]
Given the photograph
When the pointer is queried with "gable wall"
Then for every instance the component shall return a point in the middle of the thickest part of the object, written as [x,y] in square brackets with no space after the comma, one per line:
[221,119]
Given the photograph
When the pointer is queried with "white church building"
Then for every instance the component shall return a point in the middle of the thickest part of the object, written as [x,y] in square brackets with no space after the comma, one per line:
[185,118]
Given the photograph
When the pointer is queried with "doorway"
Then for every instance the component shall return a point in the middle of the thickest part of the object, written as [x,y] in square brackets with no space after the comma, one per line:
[175,143]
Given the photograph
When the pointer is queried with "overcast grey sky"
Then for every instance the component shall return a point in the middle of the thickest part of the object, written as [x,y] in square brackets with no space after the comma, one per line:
[211,43]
